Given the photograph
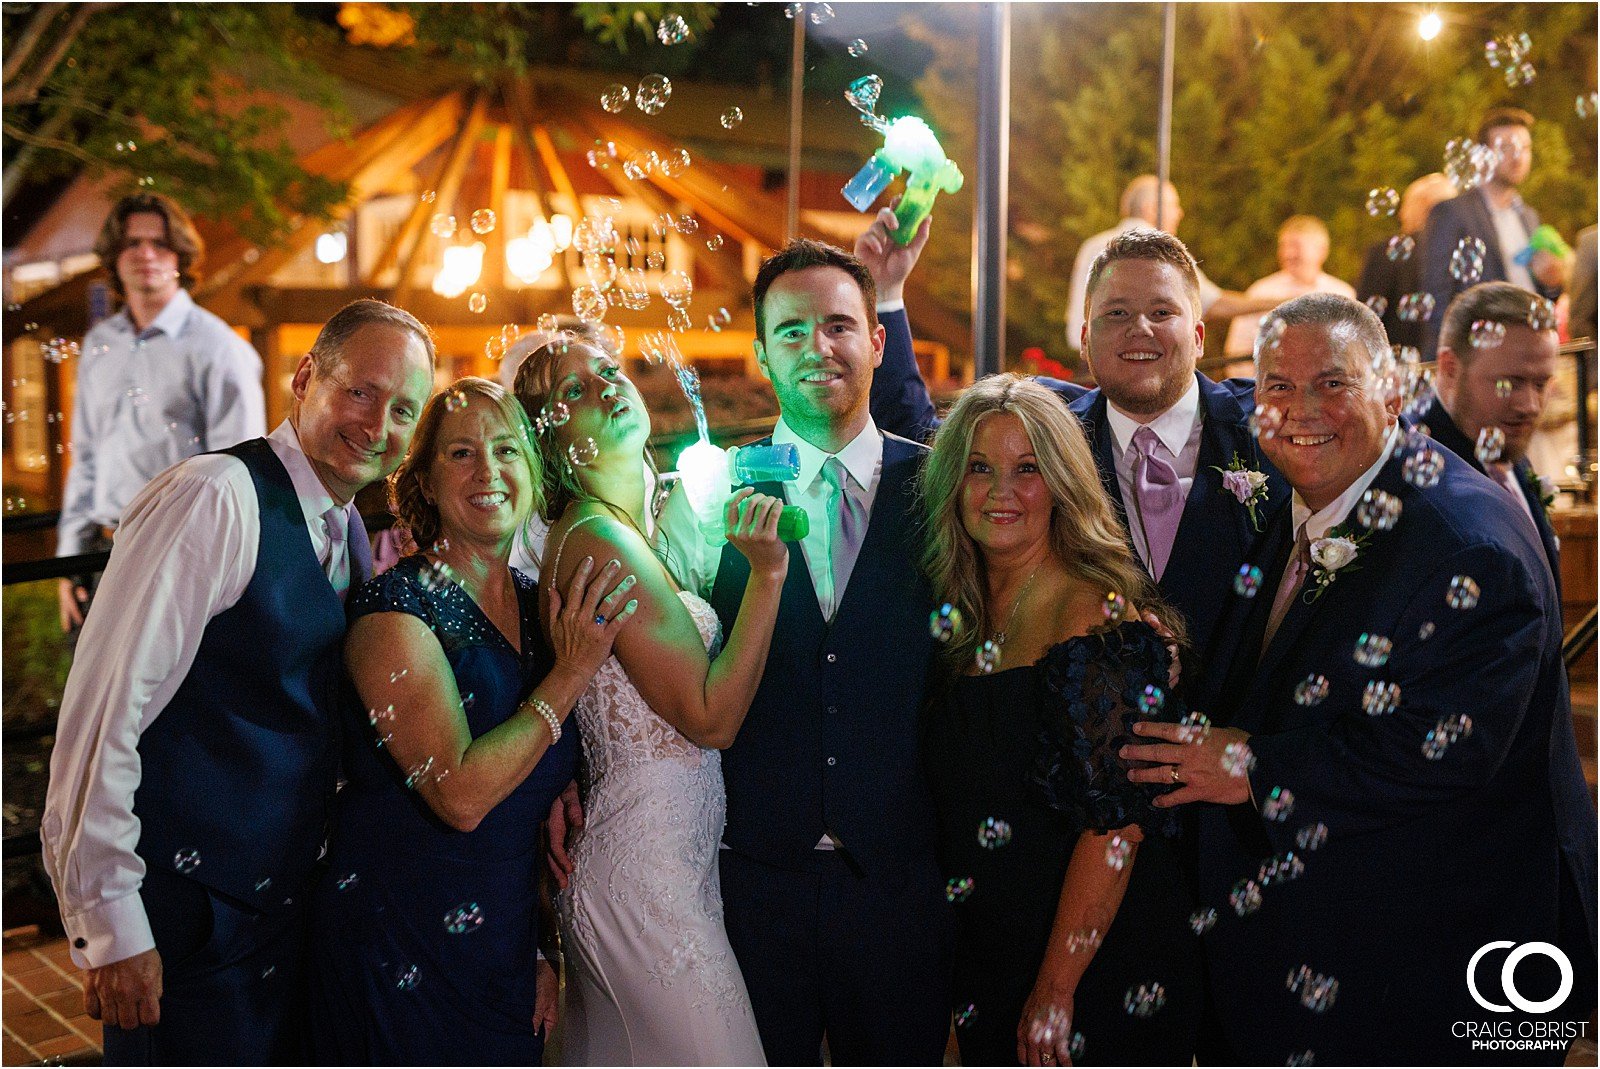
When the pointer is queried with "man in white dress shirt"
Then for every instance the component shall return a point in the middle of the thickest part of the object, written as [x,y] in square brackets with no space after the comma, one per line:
[195,754]
[1303,246]
[161,380]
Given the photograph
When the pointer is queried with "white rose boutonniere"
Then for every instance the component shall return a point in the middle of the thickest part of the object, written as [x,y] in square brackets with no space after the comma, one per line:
[1335,552]
[1247,485]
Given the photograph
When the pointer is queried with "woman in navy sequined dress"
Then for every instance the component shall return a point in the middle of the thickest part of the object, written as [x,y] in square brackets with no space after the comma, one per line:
[1073,904]
[427,935]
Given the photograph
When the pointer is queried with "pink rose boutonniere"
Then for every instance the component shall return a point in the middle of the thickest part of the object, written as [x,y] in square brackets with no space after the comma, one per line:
[1247,485]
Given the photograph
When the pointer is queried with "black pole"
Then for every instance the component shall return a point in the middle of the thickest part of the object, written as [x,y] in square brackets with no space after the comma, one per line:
[989,217]
[1169,26]
[797,98]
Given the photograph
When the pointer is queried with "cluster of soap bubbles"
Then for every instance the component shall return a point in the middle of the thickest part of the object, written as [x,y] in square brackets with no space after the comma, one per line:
[1278,804]
[1466,261]
[1509,55]
[1317,992]
[1445,733]
[1144,1000]
[58,349]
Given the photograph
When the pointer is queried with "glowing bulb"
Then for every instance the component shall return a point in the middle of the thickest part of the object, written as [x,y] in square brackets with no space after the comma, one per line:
[332,246]
[527,258]
[1429,25]
[561,230]
[462,266]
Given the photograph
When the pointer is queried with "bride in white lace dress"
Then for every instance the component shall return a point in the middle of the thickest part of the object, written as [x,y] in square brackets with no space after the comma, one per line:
[651,978]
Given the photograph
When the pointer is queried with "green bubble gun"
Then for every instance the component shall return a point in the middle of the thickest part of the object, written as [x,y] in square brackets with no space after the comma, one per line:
[1546,238]
[908,145]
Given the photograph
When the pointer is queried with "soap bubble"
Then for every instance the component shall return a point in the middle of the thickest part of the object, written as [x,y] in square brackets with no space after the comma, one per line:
[965,1015]
[482,221]
[1372,650]
[1280,868]
[593,236]
[958,889]
[347,881]
[417,774]
[477,303]
[1202,921]
[732,117]
[406,977]
[602,156]
[1423,468]
[652,94]
[1245,898]
[633,289]
[993,833]
[1317,992]
[636,168]
[719,319]
[1425,632]
[672,30]
[601,271]
[676,288]
[675,163]
[1400,247]
[1463,593]
[1247,582]
[1490,445]
[1378,510]
[1118,851]
[1380,697]
[1144,1000]
[1415,307]
[821,13]
[443,226]
[1278,804]
[1304,1057]
[1114,608]
[863,93]
[1542,314]
[1445,733]
[1081,939]
[589,304]
[987,656]
[1486,334]
[429,196]
[791,11]
[1312,836]
[1382,201]
[1520,74]
[1588,105]
[263,883]
[1312,690]
[1265,422]
[583,452]
[1194,728]
[655,260]
[615,97]
[1048,1025]
[1466,262]
[186,861]
[467,917]
[678,320]
[1378,303]
[945,622]
[1151,700]
[547,323]
[858,48]
[1503,388]
[554,414]
[1469,164]
[1237,760]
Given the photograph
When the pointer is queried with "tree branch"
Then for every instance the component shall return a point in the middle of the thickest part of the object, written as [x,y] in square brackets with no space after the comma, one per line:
[18,165]
[28,90]
[31,36]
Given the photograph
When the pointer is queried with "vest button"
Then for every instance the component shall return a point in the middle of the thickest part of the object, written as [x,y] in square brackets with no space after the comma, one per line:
[832,761]
[832,657]
[833,710]
[80,942]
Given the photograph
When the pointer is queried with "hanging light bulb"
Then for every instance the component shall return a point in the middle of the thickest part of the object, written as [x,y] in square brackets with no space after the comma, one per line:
[527,258]
[463,264]
[332,246]
[561,230]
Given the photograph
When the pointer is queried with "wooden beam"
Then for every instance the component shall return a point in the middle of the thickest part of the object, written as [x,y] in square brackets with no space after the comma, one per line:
[410,231]
[515,94]
[558,173]
[449,186]
[494,262]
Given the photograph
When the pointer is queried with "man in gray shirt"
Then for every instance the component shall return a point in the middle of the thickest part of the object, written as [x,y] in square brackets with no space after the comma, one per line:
[160,381]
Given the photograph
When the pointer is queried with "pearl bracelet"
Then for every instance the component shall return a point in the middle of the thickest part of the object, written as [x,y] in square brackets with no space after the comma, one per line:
[547,711]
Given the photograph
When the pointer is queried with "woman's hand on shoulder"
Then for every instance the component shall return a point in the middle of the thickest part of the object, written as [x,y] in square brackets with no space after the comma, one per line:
[752,524]
[582,623]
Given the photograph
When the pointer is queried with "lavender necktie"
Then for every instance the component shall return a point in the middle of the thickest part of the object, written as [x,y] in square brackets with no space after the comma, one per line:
[1159,500]
[1294,580]
[846,525]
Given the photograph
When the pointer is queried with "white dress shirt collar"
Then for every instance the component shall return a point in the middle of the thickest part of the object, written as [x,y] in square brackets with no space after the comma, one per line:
[1319,523]
[171,319]
[314,497]
[861,456]
[1173,427]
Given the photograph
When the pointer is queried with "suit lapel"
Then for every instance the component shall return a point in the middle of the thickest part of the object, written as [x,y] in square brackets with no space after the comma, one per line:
[1526,481]
[1209,509]
[1493,265]
[1091,413]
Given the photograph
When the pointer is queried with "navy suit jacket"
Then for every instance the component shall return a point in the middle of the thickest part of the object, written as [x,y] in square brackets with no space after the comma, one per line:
[1424,860]
[1444,431]
[1450,221]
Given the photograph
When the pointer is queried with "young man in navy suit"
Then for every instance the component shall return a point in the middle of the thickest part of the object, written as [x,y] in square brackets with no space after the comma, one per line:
[834,902]
[1390,791]
[1491,386]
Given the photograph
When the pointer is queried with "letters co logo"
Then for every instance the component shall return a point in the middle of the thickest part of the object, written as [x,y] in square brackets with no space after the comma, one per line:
[1508,976]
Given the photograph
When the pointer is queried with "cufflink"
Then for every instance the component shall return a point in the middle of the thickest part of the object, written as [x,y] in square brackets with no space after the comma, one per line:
[80,942]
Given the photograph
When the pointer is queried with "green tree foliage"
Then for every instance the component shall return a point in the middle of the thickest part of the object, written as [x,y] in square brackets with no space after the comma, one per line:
[1278,109]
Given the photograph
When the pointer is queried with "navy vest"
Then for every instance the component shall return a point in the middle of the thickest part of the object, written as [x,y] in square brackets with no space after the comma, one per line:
[238,770]
[830,743]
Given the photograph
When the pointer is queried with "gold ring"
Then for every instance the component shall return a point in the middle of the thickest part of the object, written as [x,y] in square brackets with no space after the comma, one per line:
[1175,778]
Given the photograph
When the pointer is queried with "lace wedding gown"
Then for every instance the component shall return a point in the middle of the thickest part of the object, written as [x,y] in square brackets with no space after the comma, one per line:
[651,978]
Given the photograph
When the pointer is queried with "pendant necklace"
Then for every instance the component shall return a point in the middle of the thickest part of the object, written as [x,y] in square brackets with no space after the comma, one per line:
[988,655]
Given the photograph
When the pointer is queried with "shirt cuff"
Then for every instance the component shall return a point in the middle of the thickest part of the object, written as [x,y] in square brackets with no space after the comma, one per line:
[110,932]
[891,306]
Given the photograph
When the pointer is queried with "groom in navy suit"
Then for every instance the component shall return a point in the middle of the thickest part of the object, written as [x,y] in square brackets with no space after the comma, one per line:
[834,902]
[1391,791]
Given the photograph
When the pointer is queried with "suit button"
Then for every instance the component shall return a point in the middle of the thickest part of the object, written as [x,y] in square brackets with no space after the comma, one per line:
[832,762]
[833,710]
[80,942]
[832,657]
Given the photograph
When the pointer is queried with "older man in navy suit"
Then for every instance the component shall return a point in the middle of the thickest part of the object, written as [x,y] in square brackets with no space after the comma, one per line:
[1390,790]
[1176,451]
